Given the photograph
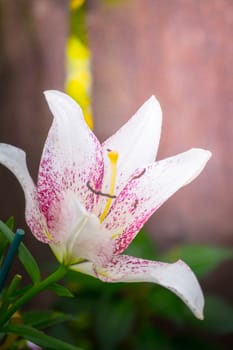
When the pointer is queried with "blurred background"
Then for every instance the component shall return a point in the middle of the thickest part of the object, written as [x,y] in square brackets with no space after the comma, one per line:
[111,56]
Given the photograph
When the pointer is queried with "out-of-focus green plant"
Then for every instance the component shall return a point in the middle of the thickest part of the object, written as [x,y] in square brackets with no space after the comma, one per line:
[144,316]
[78,79]
[17,328]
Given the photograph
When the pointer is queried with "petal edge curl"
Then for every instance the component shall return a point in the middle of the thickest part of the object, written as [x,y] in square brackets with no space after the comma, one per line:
[177,277]
[15,160]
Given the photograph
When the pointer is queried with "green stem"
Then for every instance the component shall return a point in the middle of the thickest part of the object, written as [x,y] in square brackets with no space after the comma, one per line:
[57,275]
[10,256]
[6,297]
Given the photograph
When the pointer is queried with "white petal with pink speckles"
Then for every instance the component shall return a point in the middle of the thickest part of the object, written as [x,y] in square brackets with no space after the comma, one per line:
[71,157]
[177,277]
[148,189]
[136,142]
[14,159]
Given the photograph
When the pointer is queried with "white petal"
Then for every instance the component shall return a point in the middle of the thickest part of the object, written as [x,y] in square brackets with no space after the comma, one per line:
[136,142]
[69,214]
[15,160]
[86,267]
[177,277]
[80,234]
[148,189]
[72,156]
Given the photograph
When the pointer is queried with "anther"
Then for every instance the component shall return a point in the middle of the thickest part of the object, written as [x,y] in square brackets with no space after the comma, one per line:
[99,193]
[113,156]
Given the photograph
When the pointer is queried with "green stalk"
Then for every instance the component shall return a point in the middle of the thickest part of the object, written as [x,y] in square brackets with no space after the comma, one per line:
[10,256]
[6,298]
[36,289]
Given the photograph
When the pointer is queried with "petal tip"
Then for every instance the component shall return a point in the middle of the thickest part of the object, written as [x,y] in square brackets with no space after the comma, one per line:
[50,93]
[203,155]
[198,309]
[199,157]
[151,111]
[60,103]
[206,153]
[153,102]
[55,95]
[190,291]
[200,316]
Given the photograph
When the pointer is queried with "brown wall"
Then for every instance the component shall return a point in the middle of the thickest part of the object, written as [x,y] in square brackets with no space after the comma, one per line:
[181,51]
[32,43]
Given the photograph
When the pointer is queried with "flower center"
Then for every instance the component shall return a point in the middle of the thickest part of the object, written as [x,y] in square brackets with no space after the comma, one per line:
[113,157]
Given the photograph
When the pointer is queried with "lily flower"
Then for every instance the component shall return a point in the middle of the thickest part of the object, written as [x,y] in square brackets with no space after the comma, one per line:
[91,199]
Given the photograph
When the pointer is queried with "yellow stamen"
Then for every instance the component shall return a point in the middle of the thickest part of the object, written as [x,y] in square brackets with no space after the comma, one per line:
[113,157]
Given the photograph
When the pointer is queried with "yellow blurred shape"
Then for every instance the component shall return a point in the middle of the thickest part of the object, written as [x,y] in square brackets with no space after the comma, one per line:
[74,4]
[78,82]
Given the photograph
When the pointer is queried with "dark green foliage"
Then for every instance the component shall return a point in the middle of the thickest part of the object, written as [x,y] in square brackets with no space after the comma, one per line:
[101,316]
[39,338]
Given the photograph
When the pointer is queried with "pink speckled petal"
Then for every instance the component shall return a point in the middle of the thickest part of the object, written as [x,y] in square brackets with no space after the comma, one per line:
[72,156]
[15,160]
[177,277]
[148,189]
[136,142]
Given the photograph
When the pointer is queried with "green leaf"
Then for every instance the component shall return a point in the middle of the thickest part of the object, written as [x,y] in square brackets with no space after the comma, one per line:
[7,294]
[114,321]
[202,259]
[167,305]
[218,314]
[11,223]
[3,245]
[24,254]
[19,292]
[60,290]
[148,337]
[3,239]
[39,338]
[44,319]
[142,246]
[29,263]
